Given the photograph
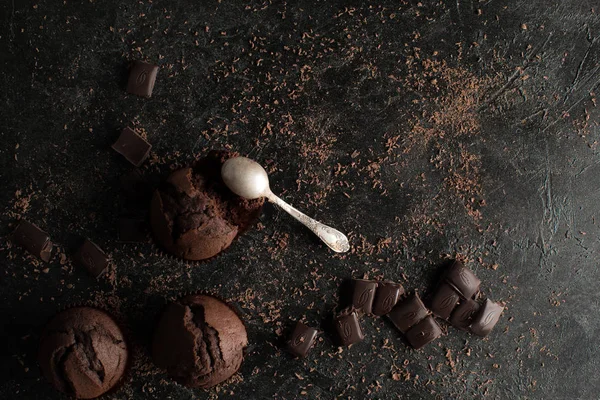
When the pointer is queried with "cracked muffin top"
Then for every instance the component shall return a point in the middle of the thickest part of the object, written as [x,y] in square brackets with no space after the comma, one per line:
[199,341]
[83,352]
[193,214]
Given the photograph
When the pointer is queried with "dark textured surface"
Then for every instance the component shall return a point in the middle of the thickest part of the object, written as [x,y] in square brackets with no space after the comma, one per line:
[425,129]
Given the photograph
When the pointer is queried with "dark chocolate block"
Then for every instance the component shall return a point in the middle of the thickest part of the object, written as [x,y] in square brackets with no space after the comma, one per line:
[92,258]
[486,318]
[408,312]
[348,328]
[463,314]
[444,300]
[302,340]
[363,295]
[33,239]
[386,297]
[132,230]
[463,279]
[132,146]
[142,77]
[424,332]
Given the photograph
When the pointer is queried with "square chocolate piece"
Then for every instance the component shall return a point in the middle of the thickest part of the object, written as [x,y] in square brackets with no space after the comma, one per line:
[132,230]
[444,300]
[407,313]
[141,78]
[486,318]
[386,297]
[302,340]
[348,328]
[424,332]
[463,314]
[132,146]
[463,279]
[363,294]
[92,258]
[33,239]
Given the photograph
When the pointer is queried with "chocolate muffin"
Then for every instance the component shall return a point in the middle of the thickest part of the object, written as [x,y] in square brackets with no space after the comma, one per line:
[83,352]
[193,214]
[199,341]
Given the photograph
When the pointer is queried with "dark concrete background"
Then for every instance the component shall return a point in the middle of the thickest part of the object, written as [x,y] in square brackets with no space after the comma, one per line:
[330,96]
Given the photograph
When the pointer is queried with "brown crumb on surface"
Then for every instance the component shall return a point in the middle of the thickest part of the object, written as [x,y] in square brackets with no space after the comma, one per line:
[20,204]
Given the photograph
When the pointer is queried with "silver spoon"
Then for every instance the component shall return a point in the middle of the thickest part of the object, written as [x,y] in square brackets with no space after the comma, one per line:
[248,179]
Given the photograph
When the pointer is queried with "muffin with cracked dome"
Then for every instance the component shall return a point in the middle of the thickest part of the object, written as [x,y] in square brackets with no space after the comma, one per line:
[83,352]
[193,214]
[199,341]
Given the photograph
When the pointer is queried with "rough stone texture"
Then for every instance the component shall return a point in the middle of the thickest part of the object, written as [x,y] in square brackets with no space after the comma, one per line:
[424,129]
[83,352]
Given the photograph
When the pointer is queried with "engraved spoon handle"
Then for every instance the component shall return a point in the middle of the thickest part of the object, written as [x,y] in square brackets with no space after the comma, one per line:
[333,238]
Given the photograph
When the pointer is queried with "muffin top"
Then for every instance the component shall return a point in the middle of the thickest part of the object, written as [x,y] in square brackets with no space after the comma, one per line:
[83,352]
[193,214]
[199,341]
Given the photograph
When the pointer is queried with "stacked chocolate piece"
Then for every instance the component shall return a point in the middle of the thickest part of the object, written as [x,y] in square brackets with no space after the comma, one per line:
[454,301]
[407,313]
[414,320]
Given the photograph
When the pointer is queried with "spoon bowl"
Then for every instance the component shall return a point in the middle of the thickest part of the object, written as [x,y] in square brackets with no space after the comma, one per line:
[245,177]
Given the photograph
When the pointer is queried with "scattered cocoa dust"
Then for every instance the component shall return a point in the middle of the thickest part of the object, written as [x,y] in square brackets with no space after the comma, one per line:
[20,204]
[586,129]
[448,99]
[270,311]
[450,95]
[315,154]
[451,361]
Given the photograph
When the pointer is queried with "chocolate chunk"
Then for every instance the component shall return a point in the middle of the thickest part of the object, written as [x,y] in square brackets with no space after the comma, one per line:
[444,300]
[33,239]
[348,328]
[424,332]
[92,258]
[386,297]
[407,313]
[132,146]
[463,279]
[141,78]
[463,314]
[302,340]
[132,230]
[363,295]
[486,318]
